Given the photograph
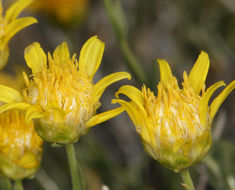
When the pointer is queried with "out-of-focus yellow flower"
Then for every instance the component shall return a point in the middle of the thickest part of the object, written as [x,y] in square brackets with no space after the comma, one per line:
[63,11]
[60,94]
[10,25]
[20,146]
[175,126]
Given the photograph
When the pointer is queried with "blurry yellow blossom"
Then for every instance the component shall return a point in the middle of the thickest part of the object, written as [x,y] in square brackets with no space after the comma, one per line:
[20,146]
[63,11]
[60,95]
[10,25]
[175,125]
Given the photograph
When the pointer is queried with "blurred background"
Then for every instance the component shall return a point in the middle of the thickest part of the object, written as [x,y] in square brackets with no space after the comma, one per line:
[136,32]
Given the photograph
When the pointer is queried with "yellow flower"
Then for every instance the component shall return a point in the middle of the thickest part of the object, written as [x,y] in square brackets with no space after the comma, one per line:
[10,25]
[175,126]
[20,146]
[63,11]
[60,94]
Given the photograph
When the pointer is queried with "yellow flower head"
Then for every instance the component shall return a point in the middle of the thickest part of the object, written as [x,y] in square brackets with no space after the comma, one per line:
[10,25]
[20,146]
[60,95]
[175,125]
[64,11]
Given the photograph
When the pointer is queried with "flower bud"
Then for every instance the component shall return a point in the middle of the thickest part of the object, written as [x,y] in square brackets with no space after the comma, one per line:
[175,125]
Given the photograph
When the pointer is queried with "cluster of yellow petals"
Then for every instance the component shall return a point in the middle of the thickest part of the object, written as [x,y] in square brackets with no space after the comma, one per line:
[10,25]
[173,107]
[20,146]
[60,96]
[175,125]
[62,91]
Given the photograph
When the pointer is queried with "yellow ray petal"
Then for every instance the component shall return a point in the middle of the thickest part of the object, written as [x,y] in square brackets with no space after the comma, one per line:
[134,94]
[100,86]
[35,57]
[203,107]
[220,99]
[131,111]
[9,95]
[15,9]
[165,71]
[4,55]
[58,114]
[19,106]
[61,53]
[137,118]
[16,26]
[29,160]
[33,112]
[199,72]
[91,55]
[99,118]
[1,8]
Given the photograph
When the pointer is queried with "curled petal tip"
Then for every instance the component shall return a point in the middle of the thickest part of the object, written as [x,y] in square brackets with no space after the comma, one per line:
[128,76]
[204,53]
[117,94]
[114,101]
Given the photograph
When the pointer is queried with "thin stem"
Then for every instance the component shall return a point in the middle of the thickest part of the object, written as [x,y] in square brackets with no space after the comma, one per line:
[75,170]
[109,9]
[18,185]
[130,59]
[188,183]
[5,183]
[132,62]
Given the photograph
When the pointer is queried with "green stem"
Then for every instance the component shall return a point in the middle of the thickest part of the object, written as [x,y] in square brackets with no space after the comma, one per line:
[131,61]
[116,28]
[187,179]
[5,184]
[18,185]
[75,170]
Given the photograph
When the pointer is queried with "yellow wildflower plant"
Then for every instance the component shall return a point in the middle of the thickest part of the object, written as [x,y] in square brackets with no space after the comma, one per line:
[20,145]
[175,125]
[10,25]
[60,95]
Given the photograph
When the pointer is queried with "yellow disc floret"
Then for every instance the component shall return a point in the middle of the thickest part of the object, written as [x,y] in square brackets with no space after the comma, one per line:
[20,146]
